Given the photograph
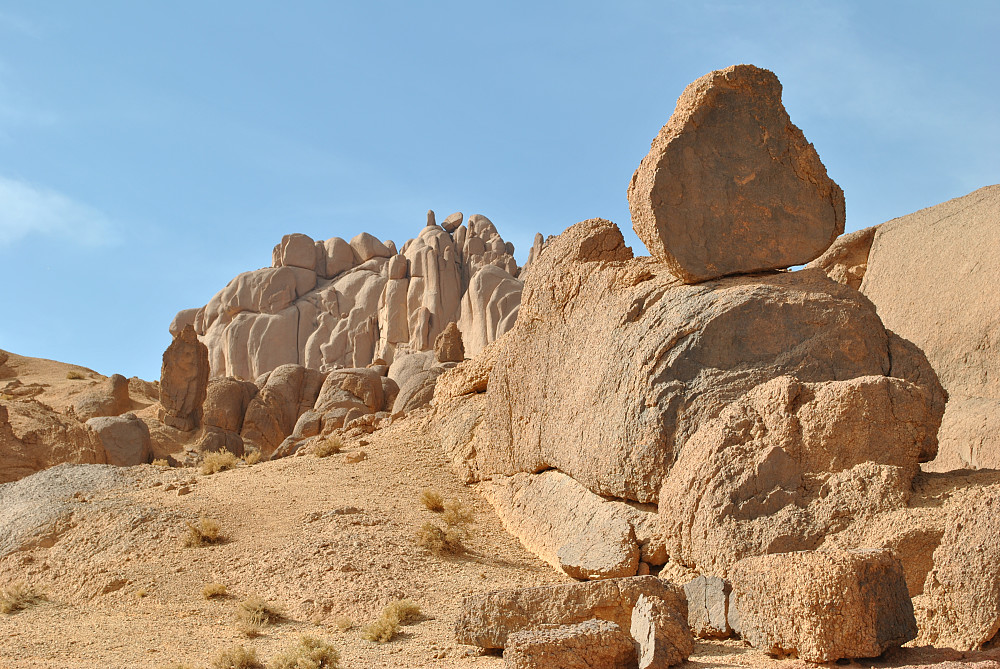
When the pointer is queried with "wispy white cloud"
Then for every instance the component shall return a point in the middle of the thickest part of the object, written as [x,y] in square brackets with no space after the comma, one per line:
[27,210]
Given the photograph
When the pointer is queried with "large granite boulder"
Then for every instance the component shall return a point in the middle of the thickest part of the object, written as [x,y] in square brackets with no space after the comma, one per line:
[931,275]
[823,605]
[602,334]
[730,185]
[183,381]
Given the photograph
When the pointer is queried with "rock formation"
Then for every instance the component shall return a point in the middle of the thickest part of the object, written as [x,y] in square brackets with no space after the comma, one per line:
[324,305]
[592,644]
[730,185]
[759,411]
[183,381]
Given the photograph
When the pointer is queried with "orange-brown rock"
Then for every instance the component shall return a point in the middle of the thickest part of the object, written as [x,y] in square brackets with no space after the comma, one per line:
[730,185]
[110,399]
[487,620]
[592,644]
[791,462]
[932,276]
[823,605]
[183,381]
[661,633]
[960,605]
[448,346]
[846,261]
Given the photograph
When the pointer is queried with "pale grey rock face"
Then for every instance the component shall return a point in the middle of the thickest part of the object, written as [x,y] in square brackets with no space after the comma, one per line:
[708,607]
[334,304]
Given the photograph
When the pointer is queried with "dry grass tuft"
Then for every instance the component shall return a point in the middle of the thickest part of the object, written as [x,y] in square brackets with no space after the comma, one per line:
[253,614]
[432,500]
[161,462]
[400,612]
[213,590]
[308,653]
[217,462]
[252,457]
[328,447]
[440,541]
[17,596]
[343,623]
[455,514]
[205,531]
[237,657]
[74,375]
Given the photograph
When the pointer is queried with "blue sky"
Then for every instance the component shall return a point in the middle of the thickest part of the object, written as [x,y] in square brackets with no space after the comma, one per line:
[150,151]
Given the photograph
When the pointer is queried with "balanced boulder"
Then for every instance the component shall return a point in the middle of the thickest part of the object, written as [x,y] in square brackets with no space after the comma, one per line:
[730,185]
[125,439]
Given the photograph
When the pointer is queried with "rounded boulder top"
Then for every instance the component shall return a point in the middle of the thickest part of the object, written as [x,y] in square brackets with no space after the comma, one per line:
[730,185]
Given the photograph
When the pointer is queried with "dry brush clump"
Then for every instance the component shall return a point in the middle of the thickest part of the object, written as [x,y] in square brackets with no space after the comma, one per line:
[328,447]
[455,514]
[237,657]
[214,590]
[218,461]
[252,456]
[206,531]
[75,375]
[400,612]
[440,541]
[308,653]
[18,596]
[432,500]
[254,614]
[343,623]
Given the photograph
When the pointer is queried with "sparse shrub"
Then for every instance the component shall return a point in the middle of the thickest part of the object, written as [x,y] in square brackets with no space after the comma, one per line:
[432,500]
[328,447]
[213,590]
[455,514]
[252,457]
[140,593]
[400,612]
[343,623]
[161,462]
[17,596]
[217,462]
[309,653]
[403,610]
[205,531]
[254,614]
[440,541]
[237,657]
[75,375]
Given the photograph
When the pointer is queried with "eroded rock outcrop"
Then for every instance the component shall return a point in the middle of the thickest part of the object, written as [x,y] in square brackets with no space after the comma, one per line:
[592,644]
[730,185]
[330,304]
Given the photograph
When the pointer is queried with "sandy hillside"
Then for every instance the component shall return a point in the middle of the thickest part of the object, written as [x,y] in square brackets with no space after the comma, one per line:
[320,538]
